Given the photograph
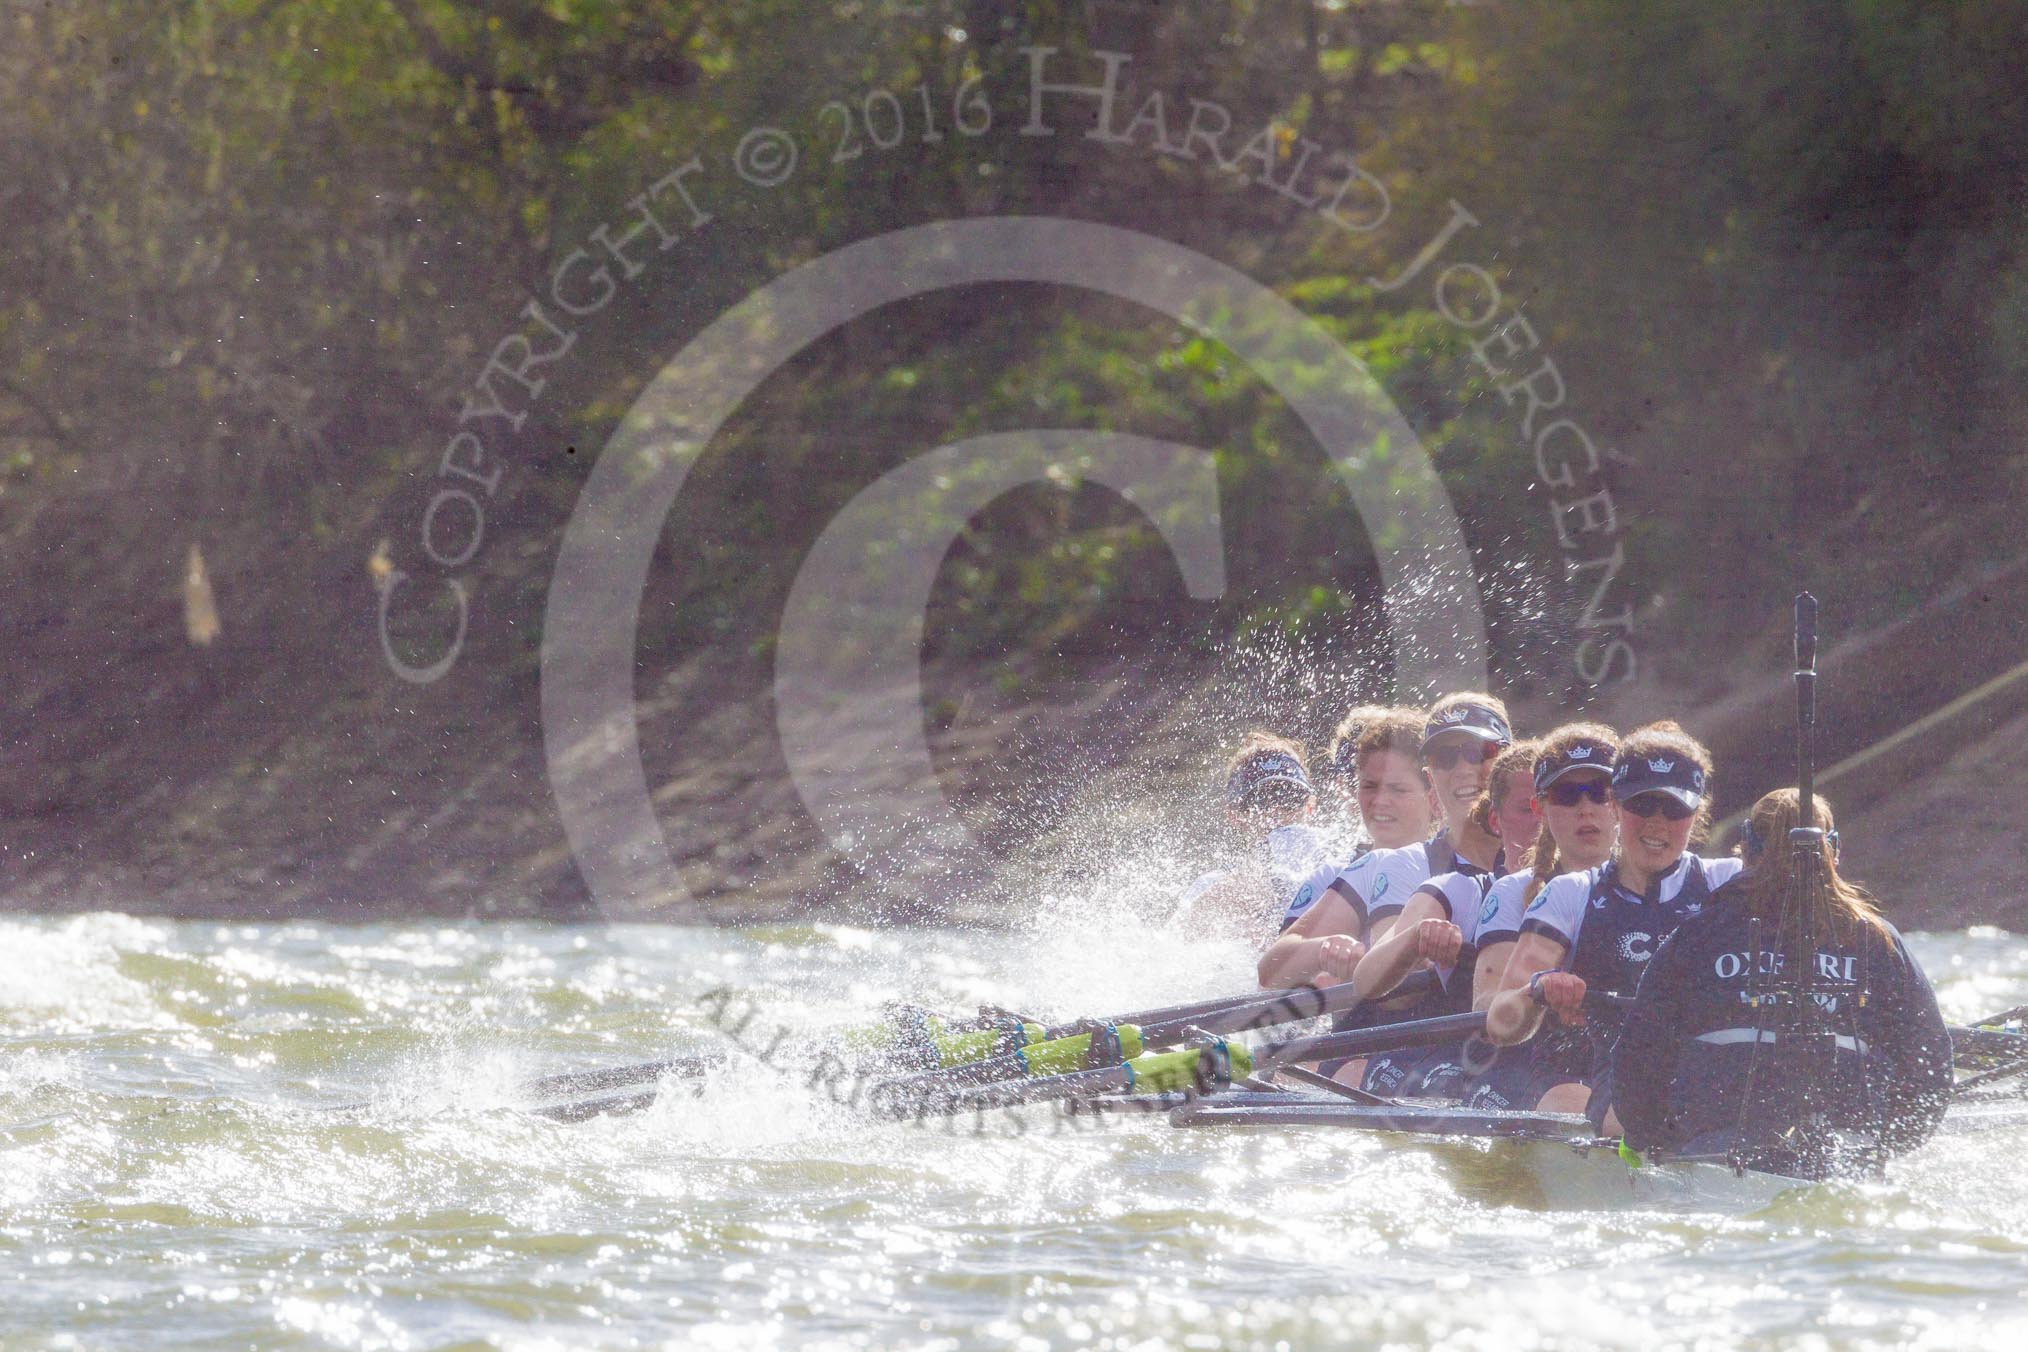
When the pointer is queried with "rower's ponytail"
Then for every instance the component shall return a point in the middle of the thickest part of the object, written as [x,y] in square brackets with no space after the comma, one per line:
[1843,908]
[1546,858]
[1518,759]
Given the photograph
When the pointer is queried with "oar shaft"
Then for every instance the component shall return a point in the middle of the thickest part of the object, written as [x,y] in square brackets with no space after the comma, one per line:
[1365,1041]
[617,1077]
[1071,1053]
[1289,1006]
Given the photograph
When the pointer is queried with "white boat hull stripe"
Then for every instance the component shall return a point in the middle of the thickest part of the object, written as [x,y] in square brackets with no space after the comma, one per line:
[1724,1036]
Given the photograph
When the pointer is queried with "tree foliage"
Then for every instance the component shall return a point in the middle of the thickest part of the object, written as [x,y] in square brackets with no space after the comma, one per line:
[258,249]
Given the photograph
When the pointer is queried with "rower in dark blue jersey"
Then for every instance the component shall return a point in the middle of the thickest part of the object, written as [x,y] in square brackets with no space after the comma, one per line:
[1710,1059]
[1597,930]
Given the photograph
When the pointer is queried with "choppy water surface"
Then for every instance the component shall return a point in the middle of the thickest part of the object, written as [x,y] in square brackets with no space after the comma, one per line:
[177,1169]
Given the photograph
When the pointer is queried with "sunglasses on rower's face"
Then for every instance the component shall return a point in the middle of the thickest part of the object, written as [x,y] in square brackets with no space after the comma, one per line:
[1569,793]
[1473,752]
[1648,804]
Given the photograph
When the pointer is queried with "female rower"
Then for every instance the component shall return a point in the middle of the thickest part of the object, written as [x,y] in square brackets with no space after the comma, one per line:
[1395,805]
[1597,929]
[1461,736]
[1339,783]
[1268,802]
[1570,802]
[1396,808]
[1438,927]
[1701,1068]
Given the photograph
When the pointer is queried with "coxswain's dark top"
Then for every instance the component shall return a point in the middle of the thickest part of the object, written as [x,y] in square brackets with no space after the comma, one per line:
[1691,1041]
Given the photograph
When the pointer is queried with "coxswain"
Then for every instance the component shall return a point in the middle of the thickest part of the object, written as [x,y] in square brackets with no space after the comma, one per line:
[1268,805]
[1596,930]
[1713,1056]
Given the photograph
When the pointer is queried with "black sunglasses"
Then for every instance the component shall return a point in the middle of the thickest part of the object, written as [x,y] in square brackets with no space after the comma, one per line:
[1648,804]
[1569,793]
[1471,753]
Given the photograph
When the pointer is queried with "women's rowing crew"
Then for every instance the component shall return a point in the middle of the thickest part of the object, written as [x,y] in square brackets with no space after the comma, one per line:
[1466,928]
[1592,1002]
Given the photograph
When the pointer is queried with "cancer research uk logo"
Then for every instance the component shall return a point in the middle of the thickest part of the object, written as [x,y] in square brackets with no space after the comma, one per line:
[847,685]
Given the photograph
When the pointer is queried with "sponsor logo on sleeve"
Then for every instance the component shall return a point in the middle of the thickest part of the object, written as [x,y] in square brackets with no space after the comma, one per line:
[1488,909]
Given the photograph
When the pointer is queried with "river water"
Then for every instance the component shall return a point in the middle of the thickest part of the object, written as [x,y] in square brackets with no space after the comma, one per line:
[314,1136]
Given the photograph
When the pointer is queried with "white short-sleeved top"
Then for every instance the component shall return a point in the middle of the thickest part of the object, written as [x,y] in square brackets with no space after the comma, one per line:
[1377,882]
[1289,854]
[1468,903]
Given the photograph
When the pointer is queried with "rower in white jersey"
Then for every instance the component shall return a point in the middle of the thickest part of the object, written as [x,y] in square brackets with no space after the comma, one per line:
[1395,806]
[1461,737]
[1438,928]
[1340,814]
[1268,802]
[1457,921]
[1597,930]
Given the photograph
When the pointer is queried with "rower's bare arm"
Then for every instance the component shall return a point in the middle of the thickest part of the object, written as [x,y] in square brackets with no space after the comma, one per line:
[1392,958]
[1486,974]
[1316,945]
[1512,1016]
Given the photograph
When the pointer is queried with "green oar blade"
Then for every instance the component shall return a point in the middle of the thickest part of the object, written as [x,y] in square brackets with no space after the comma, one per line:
[1200,1069]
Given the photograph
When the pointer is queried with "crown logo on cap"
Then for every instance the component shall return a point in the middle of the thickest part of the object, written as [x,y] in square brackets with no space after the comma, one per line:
[1661,767]
[1579,753]
[1454,715]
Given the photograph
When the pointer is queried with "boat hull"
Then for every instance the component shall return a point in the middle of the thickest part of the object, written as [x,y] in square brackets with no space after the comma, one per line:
[1542,1159]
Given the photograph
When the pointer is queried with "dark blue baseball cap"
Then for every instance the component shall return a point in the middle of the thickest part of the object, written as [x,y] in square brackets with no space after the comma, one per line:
[1678,776]
[1587,753]
[1259,771]
[1476,719]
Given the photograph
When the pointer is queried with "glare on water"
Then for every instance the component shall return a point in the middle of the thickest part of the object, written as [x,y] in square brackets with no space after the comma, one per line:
[300,1135]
